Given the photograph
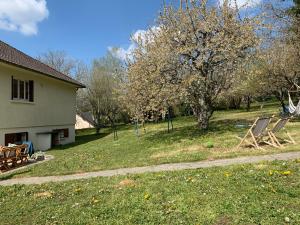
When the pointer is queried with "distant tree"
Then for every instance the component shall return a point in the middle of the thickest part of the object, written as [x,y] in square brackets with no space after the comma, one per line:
[281,60]
[59,60]
[249,83]
[295,9]
[82,74]
[153,85]
[282,69]
[102,94]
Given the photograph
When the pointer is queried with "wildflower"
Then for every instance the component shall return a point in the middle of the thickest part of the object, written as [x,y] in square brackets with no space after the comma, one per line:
[226,174]
[286,173]
[189,179]
[94,200]
[287,219]
[76,204]
[147,196]
[271,172]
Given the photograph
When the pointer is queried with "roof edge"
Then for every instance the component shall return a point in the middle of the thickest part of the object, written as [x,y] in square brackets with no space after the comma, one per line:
[75,83]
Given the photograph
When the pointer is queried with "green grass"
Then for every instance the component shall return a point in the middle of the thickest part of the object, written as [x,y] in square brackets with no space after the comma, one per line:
[93,152]
[244,194]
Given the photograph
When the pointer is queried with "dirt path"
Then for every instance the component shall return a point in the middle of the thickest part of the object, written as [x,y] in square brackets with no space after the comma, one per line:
[154,168]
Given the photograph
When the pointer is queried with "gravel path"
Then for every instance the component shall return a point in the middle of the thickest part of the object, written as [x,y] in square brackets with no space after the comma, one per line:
[154,168]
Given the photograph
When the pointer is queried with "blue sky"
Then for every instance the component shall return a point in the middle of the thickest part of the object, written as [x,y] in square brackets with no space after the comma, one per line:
[84,29]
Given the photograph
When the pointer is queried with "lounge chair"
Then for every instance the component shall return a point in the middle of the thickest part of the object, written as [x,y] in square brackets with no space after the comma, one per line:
[278,126]
[256,132]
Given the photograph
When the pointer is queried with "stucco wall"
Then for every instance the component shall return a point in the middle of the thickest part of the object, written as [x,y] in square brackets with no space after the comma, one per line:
[34,135]
[53,107]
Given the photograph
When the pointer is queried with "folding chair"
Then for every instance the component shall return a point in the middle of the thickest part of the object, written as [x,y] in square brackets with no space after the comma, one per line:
[278,126]
[256,132]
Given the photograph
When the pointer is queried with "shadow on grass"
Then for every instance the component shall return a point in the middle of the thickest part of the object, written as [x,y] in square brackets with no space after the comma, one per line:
[193,132]
[13,174]
[80,140]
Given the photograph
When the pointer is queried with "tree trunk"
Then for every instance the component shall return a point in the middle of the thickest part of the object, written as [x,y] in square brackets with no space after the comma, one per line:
[280,96]
[170,122]
[248,103]
[137,127]
[144,127]
[235,102]
[113,126]
[97,130]
[203,111]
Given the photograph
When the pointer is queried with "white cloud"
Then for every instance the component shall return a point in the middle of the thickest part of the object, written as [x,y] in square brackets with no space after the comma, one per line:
[242,3]
[139,35]
[22,15]
[122,53]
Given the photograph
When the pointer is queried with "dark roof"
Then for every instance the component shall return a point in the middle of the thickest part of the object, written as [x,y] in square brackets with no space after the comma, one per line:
[87,116]
[11,55]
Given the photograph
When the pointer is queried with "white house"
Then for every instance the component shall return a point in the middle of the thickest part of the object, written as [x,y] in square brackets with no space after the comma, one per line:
[38,103]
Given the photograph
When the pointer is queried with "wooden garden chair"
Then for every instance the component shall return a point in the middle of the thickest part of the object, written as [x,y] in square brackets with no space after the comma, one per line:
[256,132]
[278,126]
[11,155]
[24,151]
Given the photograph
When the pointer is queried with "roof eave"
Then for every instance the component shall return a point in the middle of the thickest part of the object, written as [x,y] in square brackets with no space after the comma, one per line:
[77,84]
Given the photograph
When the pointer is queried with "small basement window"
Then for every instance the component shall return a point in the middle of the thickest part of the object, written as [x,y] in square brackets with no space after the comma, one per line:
[22,90]
[16,138]
[62,133]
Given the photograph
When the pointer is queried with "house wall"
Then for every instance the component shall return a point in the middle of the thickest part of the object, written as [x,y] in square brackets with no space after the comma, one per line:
[54,105]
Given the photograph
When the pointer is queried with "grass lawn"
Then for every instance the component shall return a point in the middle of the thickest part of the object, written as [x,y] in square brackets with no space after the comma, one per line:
[265,193]
[93,152]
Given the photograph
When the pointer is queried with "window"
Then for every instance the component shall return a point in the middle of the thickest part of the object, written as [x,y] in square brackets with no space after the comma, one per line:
[22,90]
[15,88]
[22,87]
[66,133]
[16,138]
[62,133]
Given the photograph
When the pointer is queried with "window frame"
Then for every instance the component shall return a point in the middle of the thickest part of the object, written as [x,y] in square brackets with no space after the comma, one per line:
[22,91]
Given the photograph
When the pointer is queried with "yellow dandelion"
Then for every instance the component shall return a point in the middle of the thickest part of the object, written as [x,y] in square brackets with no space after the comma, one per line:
[147,196]
[271,172]
[189,179]
[227,174]
[286,173]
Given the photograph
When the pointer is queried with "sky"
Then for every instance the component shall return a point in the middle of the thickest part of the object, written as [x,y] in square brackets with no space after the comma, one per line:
[84,29]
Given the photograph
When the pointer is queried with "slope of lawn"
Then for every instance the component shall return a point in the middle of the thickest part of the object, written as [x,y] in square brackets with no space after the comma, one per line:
[265,193]
[186,142]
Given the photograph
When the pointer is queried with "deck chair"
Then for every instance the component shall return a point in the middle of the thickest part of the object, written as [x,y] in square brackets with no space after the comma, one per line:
[256,132]
[278,126]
